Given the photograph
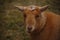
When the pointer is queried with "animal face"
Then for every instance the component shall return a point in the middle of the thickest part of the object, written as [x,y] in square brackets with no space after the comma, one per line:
[32,16]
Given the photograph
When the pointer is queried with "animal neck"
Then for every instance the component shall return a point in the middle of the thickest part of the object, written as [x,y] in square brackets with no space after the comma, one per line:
[42,21]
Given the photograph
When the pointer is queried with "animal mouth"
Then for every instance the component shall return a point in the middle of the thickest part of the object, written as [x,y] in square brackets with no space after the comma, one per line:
[29,31]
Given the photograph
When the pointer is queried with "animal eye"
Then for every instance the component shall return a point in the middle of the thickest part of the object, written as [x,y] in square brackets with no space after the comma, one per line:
[24,15]
[37,16]
[33,10]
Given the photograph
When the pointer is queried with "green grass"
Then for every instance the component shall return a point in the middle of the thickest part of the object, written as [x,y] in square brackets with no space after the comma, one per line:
[12,18]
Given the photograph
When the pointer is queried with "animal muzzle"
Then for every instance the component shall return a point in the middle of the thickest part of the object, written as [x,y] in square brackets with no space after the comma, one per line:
[30,29]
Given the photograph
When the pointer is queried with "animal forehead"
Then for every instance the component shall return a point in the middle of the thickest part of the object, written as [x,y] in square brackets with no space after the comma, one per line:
[29,10]
[32,7]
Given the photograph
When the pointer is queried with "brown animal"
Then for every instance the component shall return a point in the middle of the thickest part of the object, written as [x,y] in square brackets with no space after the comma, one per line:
[41,24]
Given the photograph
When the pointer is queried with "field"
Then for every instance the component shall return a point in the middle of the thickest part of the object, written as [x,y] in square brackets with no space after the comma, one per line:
[11,19]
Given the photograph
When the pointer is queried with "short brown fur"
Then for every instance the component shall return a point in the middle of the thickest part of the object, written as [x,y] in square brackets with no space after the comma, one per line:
[51,30]
[46,29]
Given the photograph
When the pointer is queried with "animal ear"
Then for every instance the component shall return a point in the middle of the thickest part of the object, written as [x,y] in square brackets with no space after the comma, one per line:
[21,8]
[43,8]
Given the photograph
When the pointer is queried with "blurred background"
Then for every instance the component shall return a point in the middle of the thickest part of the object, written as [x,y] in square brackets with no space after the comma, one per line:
[11,19]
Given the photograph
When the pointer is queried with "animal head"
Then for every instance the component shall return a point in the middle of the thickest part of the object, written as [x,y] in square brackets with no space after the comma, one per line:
[32,16]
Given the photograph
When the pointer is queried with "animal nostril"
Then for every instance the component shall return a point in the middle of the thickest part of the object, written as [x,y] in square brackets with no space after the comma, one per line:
[29,28]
